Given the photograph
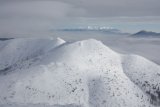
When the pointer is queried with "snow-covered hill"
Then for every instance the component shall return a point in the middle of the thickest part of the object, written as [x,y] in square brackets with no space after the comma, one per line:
[52,72]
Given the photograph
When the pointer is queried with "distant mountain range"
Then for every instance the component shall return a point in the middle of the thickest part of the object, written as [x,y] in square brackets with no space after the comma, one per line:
[91,28]
[108,30]
[144,33]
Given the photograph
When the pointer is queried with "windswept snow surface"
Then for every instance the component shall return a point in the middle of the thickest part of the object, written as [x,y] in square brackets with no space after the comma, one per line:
[52,72]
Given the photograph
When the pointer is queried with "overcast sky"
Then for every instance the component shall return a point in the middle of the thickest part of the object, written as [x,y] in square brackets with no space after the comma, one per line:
[24,16]
[84,8]
[107,8]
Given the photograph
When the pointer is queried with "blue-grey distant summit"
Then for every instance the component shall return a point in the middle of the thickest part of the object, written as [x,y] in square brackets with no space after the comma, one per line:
[144,33]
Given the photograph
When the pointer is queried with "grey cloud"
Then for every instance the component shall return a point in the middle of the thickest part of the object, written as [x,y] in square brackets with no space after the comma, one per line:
[52,9]
[18,17]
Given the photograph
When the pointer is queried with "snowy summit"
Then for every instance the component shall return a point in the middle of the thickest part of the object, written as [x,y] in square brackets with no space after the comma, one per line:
[51,72]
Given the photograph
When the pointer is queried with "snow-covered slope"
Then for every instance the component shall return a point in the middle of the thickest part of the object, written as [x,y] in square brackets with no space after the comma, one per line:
[145,74]
[86,73]
[15,51]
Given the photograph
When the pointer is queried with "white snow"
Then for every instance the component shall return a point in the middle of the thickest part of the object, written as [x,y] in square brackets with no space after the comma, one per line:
[51,72]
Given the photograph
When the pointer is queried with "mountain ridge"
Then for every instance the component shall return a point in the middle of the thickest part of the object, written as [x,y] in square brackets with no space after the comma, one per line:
[84,73]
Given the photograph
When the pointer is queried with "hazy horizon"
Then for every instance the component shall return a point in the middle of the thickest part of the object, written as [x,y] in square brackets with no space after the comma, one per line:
[37,17]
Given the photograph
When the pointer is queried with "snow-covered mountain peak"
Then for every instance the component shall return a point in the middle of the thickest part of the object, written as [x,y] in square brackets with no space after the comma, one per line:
[81,50]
